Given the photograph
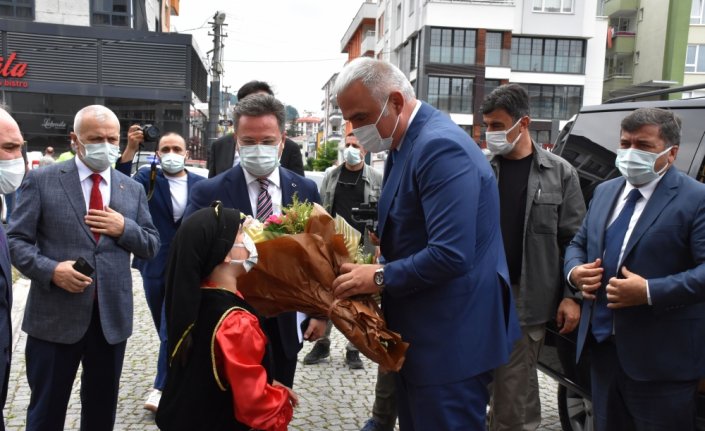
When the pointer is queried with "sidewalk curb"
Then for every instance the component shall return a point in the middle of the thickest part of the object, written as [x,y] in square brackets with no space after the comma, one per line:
[20,290]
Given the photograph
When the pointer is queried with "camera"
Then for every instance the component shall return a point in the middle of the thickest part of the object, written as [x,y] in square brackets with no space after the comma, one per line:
[365,213]
[151,132]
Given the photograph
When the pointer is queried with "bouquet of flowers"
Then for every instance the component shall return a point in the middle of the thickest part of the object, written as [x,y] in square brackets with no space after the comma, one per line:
[300,253]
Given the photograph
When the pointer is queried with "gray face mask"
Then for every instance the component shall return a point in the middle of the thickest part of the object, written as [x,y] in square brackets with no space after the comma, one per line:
[101,156]
[369,138]
[260,160]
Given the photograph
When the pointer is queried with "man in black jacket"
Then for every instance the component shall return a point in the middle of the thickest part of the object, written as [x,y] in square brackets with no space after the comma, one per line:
[222,156]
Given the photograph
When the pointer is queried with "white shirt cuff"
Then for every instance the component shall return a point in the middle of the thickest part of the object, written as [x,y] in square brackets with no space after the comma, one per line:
[648,293]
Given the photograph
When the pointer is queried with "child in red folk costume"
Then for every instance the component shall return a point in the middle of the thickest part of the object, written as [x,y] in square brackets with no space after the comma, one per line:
[219,361]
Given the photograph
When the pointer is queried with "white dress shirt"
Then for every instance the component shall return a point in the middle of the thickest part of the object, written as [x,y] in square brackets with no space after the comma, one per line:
[84,175]
[274,190]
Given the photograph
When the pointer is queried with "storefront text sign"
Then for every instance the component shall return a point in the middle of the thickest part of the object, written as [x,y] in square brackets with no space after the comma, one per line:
[11,70]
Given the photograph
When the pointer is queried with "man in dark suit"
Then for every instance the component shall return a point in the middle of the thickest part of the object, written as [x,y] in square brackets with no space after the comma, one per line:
[444,280]
[222,154]
[258,186]
[12,168]
[639,259]
[167,190]
[80,208]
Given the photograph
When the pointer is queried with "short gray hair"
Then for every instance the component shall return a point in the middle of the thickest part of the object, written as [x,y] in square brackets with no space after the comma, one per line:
[668,123]
[380,77]
[258,105]
[100,112]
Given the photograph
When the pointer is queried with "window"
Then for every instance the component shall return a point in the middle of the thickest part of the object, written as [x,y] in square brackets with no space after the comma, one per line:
[412,54]
[548,55]
[380,26]
[493,49]
[695,59]
[398,16]
[696,12]
[450,94]
[452,46]
[553,6]
[412,6]
[553,101]
[111,12]
[22,9]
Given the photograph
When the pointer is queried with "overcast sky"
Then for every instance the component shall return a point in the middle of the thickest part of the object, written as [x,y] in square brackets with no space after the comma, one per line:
[293,45]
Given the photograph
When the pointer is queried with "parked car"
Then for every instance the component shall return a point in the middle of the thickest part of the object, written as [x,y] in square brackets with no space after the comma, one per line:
[589,143]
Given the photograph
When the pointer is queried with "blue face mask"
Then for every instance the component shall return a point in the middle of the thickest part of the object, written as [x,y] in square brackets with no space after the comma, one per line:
[101,156]
[352,156]
[637,166]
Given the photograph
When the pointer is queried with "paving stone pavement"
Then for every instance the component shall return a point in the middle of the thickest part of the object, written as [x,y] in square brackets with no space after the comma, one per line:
[331,396]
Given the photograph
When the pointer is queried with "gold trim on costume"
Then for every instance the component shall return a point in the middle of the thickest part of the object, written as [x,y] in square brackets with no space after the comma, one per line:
[215,330]
[176,349]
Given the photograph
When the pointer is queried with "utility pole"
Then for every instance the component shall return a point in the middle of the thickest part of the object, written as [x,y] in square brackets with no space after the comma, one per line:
[216,70]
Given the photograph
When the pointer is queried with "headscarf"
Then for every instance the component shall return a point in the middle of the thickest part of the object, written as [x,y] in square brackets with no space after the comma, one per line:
[202,242]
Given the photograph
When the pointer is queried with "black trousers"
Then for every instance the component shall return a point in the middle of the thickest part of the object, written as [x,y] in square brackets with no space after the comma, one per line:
[51,371]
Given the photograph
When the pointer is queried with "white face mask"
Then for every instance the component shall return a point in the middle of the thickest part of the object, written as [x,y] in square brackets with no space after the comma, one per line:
[497,141]
[248,245]
[11,174]
[260,160]
[369,138]
[100,157]
[637,166]
[172,163]
[352,156]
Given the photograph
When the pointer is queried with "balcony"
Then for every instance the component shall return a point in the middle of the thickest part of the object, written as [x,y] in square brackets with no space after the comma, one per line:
[336,118]
[367,47]
[622,43]
[482,2]
[619,7]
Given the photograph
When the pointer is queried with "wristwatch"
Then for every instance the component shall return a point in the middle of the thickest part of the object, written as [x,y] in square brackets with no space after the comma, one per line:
[379,278]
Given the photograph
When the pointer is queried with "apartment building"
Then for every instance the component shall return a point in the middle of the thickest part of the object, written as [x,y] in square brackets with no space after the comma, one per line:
[456,51]
[60,55]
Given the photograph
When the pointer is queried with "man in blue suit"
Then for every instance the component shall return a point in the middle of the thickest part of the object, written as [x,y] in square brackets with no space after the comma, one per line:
[444,282]
[258,186]
[167,190]
[12,168]
[80,208]
[639,260]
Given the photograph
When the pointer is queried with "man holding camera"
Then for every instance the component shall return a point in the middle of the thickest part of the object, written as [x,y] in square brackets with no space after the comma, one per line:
[343,188]
[167,190]
[80,210]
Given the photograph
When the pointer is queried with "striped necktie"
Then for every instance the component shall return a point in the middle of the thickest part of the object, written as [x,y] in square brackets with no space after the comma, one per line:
[264,201]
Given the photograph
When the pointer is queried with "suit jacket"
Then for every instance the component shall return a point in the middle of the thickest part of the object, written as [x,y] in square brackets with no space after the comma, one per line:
[231,189]
[446,280]
[5,317]
[222,153]
[162,212]
[666,340]
[48,227]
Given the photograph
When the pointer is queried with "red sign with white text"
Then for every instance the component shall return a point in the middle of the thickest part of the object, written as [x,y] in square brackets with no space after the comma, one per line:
[10,70]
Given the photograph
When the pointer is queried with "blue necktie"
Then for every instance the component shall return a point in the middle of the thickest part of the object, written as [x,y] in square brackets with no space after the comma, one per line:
[614,238]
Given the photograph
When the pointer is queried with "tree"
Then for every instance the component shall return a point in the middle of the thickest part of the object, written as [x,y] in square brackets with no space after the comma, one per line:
[327,155]
[291,116]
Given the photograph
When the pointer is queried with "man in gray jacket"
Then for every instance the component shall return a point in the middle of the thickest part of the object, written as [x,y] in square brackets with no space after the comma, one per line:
[541,209]
[343,188]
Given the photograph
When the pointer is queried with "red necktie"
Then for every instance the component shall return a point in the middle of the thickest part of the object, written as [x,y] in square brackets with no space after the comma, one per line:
[96,202]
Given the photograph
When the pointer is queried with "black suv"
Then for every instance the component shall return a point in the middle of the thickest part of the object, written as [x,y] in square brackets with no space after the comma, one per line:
[589,143]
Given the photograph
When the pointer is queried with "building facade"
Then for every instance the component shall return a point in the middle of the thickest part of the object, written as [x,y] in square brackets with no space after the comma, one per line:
[457,51]
[651,45]
[61,56]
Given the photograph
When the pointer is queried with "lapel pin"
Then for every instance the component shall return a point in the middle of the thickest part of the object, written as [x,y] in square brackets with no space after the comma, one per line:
[122,187]
[293,185]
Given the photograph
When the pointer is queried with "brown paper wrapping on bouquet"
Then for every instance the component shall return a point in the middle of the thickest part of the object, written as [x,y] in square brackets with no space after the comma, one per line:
[296,272]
